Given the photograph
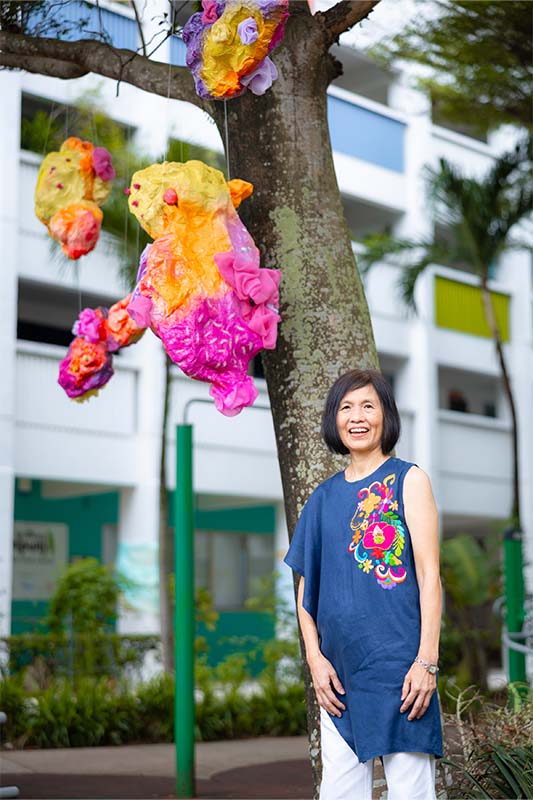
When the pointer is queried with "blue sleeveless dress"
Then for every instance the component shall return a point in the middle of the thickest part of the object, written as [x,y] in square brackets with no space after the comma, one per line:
[353,547]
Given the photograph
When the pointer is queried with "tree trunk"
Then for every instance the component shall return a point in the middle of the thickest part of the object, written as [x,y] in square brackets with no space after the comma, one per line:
[493,325]
[280,142]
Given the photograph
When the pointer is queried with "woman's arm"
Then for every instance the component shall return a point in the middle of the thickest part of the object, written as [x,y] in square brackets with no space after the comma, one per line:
[322,671]
[422,519]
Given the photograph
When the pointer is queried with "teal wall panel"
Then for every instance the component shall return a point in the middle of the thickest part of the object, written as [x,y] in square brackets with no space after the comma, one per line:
[85,517]
[237,632]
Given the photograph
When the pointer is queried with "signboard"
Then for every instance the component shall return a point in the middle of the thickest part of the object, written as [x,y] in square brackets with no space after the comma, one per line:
[40,553]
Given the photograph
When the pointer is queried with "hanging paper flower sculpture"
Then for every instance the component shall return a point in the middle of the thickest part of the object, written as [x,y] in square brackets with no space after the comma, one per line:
[199,285]
[99,332]
[228,46]
[72,185]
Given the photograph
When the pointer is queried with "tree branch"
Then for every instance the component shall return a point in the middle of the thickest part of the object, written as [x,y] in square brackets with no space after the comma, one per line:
[42,66]
[89,55]
[345,15]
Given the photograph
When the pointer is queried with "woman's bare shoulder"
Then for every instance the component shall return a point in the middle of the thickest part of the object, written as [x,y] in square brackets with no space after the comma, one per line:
[417,481]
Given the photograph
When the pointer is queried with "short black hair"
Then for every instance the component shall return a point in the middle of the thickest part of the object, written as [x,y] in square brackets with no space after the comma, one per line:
[356,379]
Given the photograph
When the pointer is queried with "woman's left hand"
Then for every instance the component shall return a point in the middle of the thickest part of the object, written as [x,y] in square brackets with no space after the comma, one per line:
[417,690]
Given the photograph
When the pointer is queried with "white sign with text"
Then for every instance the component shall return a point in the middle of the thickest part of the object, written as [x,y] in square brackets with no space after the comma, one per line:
[40,552]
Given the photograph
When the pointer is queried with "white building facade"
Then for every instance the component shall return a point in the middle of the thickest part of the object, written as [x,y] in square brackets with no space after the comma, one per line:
[87,475]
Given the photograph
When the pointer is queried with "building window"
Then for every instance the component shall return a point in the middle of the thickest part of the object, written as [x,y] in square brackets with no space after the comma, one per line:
[470,392]
[457,401]
[231,565]
[46,313]
[45,124]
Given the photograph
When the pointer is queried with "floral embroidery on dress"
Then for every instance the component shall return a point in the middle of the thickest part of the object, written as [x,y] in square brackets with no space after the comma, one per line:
[379,535]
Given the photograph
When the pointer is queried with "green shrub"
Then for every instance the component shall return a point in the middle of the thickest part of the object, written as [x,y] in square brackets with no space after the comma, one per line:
[155,708]
[79,655]
[95,712]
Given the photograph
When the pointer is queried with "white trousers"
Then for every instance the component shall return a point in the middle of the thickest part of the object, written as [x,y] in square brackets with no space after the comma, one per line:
[410,776]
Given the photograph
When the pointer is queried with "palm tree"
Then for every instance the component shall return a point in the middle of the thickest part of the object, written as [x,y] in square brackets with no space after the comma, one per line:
[478,217]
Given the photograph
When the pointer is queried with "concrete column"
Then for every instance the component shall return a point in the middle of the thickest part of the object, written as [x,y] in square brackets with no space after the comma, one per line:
[418,385]
[9,205]
[139,506]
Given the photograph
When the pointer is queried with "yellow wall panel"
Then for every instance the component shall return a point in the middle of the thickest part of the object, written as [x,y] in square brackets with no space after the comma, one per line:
[459,306]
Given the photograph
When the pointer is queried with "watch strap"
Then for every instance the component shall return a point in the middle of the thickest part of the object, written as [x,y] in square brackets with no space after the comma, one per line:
[427,665]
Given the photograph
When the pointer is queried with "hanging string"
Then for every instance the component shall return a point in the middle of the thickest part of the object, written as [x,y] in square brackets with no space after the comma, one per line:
[49,128]
[226,137]
[126,209]
[94,132]
[77,276]
[169,77]
[77,282]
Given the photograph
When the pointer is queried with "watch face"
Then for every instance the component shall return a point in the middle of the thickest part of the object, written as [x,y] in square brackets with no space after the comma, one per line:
[432,668]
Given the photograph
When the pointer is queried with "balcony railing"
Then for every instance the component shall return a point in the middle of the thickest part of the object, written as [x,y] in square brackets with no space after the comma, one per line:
[459,307]
[475,462]
[58,439]
[366,133]
[113,412]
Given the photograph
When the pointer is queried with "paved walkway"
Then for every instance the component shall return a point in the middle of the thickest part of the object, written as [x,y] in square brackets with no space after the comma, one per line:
[264,767]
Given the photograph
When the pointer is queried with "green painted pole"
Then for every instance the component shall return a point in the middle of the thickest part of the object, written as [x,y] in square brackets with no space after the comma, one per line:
[514,599]
[184,614]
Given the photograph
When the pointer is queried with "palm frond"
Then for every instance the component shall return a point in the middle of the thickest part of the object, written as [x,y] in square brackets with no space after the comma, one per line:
[410,275]
[380,247]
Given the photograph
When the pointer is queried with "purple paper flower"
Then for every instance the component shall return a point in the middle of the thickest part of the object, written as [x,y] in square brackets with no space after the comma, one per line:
[262,77]
[90,325]
[102,163]
[86,367]
[247,30]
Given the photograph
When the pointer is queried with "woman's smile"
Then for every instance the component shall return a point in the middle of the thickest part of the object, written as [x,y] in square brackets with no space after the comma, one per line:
[357,432]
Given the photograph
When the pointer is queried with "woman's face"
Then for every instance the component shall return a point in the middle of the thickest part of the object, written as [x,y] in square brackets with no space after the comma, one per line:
[360,420]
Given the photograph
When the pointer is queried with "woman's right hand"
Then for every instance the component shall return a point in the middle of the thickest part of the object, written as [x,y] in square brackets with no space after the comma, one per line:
[324,675]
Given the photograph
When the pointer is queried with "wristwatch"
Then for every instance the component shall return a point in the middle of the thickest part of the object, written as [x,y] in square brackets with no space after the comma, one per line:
[432,668]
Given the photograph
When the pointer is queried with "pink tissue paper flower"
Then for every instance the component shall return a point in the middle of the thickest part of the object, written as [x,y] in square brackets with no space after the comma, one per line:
[242,274]
[263,321]
[139,309]
[231,400]
[102,163]
[210,14]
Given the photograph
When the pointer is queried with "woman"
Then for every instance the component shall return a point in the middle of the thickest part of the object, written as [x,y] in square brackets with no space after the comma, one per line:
[369,601]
